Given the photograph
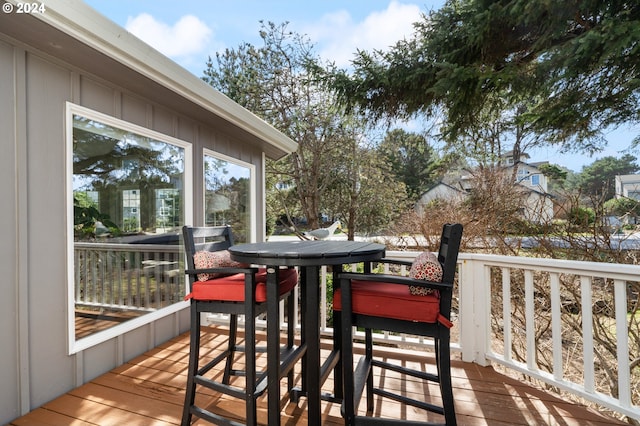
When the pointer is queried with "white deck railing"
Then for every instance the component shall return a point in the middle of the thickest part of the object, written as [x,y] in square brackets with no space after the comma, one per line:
[543,318]
[559,343]
[517,303]
[133,277]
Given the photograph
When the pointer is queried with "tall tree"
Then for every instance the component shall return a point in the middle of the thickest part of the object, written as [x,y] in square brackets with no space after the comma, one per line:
[411,159]
[598,178]
[566,69]
[365,191]
[274,82]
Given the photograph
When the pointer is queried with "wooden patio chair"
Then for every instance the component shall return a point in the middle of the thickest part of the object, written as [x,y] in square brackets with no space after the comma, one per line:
[218,285]
[417,306]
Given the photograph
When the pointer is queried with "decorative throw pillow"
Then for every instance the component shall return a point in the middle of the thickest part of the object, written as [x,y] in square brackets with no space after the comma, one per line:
[425,267]
[214,259]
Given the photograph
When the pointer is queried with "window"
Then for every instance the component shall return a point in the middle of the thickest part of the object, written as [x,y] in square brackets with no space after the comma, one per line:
[129,197]
[535,179]
[229,195]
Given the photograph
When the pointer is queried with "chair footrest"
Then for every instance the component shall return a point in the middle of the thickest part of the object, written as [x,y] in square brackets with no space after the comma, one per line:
[411,372]
[288,359]
[362,420]
[212,417]
[208,366]
[220,387]
[328,366]
[404,370]
[409,401]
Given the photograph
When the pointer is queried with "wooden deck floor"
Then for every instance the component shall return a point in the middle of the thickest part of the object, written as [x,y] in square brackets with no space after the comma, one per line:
[148,390]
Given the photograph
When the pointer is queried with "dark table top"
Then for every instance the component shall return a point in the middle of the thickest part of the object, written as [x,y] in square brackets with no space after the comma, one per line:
[306,253]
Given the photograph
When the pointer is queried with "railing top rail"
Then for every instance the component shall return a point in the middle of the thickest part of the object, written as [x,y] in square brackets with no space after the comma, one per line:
[613,270]
[559,265]
[170,248]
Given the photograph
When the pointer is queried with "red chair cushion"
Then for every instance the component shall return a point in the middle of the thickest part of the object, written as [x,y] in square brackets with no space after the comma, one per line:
[391,301]
[231,288]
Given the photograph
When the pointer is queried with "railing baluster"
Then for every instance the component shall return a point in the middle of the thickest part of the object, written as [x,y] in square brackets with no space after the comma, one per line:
[587,332]
[94,264]
[556,326]
[529,296]
[506,311]
[624,376]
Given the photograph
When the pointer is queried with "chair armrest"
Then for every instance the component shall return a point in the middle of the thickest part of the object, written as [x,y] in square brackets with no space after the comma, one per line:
[395,279]
[226,271]
[394,261]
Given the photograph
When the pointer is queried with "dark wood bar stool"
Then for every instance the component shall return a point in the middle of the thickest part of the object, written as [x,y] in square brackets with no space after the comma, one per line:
[219,285]
[417,305]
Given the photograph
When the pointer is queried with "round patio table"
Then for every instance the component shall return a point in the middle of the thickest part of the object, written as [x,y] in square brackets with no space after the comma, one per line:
[309,256]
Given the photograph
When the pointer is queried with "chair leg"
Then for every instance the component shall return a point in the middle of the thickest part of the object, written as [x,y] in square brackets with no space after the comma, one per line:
[194,354]
[346,355]
[369,357]
[337,339]
[290,334]
[443,362]
[233,333]
[250,362]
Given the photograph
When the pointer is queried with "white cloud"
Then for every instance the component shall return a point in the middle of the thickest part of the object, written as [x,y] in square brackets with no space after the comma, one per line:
[338,36]
[188,36]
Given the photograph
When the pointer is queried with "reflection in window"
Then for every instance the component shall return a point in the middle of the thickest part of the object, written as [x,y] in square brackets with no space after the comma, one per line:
[128,204]
[228,195]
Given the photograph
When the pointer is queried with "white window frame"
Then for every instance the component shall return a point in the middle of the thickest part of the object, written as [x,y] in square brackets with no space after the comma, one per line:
[252,187]
[94,339]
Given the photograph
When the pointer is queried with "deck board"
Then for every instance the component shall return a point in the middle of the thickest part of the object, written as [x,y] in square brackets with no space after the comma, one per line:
[149,390]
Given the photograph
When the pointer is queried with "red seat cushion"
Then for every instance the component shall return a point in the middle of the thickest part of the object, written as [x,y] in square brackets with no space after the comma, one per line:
[231,288]
[391,301]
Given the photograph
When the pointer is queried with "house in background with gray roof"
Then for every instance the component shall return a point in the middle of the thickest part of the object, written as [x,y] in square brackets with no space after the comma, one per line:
[537,203]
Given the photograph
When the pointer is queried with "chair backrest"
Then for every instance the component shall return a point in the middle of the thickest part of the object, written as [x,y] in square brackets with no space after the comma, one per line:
[209,238]
[448,252]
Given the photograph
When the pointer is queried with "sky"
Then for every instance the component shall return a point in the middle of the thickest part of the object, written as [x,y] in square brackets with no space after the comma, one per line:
[191,31]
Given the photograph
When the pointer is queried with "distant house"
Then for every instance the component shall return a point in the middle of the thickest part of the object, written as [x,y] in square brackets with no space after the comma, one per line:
[628,186]
[537,205]
[108,148]
[441,191]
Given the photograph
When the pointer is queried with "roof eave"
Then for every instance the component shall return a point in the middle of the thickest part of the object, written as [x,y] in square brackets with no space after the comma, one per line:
[82,22]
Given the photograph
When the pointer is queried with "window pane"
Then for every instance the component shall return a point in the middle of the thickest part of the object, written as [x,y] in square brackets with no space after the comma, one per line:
[228,196]
[128,199]
[535,180]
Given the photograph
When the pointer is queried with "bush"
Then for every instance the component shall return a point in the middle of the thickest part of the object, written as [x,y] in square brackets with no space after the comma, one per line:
[581,217]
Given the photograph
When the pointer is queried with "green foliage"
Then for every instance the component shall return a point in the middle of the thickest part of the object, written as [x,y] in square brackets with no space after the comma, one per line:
[365,193]
[580,218]
[411,159]
[622,206]
[563,70]
[330,173]
[85,216]
[553,171]
[598,178]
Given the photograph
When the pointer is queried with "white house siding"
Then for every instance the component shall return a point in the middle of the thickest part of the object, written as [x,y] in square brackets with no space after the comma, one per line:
[440,191]
[12,254]
[34,89]
[538,207]
[628,186]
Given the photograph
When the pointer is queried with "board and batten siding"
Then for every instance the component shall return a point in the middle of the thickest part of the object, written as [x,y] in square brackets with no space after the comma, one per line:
[34,91]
